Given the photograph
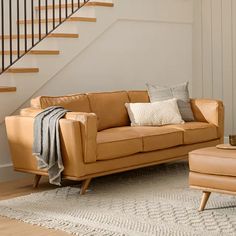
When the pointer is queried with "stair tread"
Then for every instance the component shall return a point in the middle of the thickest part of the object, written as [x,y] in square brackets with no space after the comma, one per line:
[34,52]
[52,35]
[22,70]
[98,4]
[7,89]
[50,20]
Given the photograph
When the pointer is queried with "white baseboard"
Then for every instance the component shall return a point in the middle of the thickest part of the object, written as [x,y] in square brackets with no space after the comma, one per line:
[7,173]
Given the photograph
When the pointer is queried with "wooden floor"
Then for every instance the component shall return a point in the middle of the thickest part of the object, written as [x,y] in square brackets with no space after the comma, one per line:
[22,187]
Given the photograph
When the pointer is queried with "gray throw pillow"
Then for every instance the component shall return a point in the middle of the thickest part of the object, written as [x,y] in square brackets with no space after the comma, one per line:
[180,92]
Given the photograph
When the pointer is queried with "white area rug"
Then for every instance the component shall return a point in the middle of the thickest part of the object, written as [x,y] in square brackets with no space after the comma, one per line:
[150,201]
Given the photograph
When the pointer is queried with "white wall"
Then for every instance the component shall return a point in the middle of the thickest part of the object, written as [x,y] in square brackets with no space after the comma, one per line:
[148,43]
[127,56]
[214,54]
[151,41]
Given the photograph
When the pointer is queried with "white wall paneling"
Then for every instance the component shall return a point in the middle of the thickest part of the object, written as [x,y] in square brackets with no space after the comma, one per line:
[197,50]
[217,82]
[207,48]
[214,54]
[227,62]
[234,63]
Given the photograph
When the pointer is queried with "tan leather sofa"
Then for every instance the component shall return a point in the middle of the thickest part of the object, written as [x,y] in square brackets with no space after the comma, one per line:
[97,139]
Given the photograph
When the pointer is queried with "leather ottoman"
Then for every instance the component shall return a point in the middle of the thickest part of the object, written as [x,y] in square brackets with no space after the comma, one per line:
[212,170]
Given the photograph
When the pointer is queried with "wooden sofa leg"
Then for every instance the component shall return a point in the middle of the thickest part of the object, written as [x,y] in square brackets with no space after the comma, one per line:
[36,181]
[205,197]
[84,186]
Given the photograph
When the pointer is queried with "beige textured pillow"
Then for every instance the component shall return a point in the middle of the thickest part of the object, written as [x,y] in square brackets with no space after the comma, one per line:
[154,114]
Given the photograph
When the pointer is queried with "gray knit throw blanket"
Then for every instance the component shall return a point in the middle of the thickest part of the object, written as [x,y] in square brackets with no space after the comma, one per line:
[46,146]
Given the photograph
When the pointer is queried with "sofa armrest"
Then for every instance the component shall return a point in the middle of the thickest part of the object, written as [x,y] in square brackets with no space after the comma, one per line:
[88,126]
[30,111]
[211,111]
[20,138]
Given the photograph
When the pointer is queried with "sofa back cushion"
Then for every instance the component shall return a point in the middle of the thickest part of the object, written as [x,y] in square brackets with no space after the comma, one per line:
[110,109]
[138,96]
[74,102]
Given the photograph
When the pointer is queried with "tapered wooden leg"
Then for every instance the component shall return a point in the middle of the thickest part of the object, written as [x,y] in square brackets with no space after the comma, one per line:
[36,180]
[205,197]
[84,186]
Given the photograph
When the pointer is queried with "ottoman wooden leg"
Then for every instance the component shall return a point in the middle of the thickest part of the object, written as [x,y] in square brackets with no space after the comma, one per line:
[205,197]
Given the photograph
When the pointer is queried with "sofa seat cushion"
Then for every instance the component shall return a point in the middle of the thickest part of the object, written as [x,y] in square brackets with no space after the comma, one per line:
[213,161]
[118,142]
[196,132]
[156,138]
[123,141]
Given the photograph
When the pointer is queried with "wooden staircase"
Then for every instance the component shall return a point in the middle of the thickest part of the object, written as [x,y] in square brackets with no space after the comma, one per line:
[44,52]
[4,89]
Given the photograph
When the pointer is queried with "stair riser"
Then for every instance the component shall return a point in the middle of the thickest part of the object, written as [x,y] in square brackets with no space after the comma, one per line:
[37,60]
[83,12]
[57,20]
[89,4]
[46,44]
[67,27]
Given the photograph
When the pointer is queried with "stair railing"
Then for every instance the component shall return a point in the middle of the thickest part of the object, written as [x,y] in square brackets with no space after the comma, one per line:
[25,23]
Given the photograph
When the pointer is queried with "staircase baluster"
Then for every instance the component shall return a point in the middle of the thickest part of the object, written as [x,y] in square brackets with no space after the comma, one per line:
[10,29]
[39,3]
[3,58]
[53,13]
[72,6]
[18,27]
[66,6]
[32,19]
[46,3]
[60,11]
[25,23]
